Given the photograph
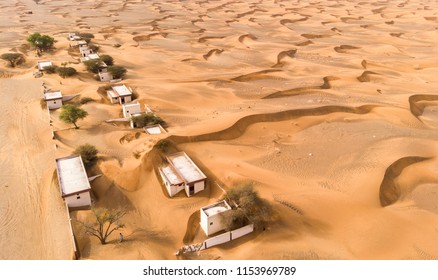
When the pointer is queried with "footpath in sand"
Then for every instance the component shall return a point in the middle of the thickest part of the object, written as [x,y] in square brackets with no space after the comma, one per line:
[33,220]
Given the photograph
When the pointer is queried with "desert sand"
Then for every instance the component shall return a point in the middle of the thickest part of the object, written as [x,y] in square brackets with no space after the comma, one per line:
[329,108]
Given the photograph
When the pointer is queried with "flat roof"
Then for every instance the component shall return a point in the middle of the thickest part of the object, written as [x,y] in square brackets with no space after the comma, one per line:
[216,208]
[132,105]
[112,94]
[52,95]
[186,168]
[93,56]
[154,129]
[42,64]
[121,90]
[171,175]
[71,175]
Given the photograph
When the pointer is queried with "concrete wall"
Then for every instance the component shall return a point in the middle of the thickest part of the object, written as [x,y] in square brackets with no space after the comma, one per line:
[54,104]
[242,231]
[199,186]
[79,200]
[226,237]
[171,189]
[222,238]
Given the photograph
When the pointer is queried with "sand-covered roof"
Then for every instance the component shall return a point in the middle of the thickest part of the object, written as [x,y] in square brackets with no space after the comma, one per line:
[71,175]
[186,168]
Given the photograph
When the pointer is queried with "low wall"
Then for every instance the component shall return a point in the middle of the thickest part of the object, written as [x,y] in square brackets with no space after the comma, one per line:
[226,237]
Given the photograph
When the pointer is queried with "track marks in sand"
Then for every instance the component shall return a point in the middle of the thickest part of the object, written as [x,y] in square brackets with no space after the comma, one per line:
[390,191]
[295,91]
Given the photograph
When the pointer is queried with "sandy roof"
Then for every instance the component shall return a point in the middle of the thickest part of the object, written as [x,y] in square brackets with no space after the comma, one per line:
[216,208]
[154,129]
[71,175]
[171,175]
[52,95]
[93,56]
[132,106]
[121,90]
[186,168]
[42,64]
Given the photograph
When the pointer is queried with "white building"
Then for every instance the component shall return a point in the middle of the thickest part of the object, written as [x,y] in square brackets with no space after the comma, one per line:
[53,99]
[154,129]
[119,94]
[131,109]
[85,51]
[73,181]
[212,217]
[44,64]
[73,37]
[90,56]
[181,173]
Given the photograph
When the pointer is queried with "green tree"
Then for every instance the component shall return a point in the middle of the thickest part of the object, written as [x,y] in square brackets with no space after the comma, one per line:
[247,207]
[88,153]
[41,42]
[118,72]
[106,221]
[13,58]
[70,114]
[146,119]
[107,59]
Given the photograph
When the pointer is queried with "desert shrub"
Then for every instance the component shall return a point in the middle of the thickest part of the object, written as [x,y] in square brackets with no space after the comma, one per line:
[86,35]
[163,145]
[50,69]
[247,207]
[136,154]
[146,119]
[86,100]
[88,153]
[93,47]
[65,71]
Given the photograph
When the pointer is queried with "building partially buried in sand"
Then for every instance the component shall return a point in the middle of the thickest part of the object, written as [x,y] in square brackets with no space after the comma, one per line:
[73,181]
[212,217]
[43,64]
[181,173]
[119,94]
[53,99]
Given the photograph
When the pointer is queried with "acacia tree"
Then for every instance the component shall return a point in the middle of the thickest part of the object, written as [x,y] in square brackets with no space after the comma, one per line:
[70,114]
[40,42]
[106,222]
[13,58]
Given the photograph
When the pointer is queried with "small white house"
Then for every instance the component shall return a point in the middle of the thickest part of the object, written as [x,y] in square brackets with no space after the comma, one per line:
[73,37]
[131,109]
[53,99]
[73,181]
[119,94]
[154,129]
[181,173]
[85,51]
[212,217]
[90,56]
[44,64]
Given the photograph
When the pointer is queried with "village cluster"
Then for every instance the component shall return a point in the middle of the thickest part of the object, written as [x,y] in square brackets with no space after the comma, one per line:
[179,173]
